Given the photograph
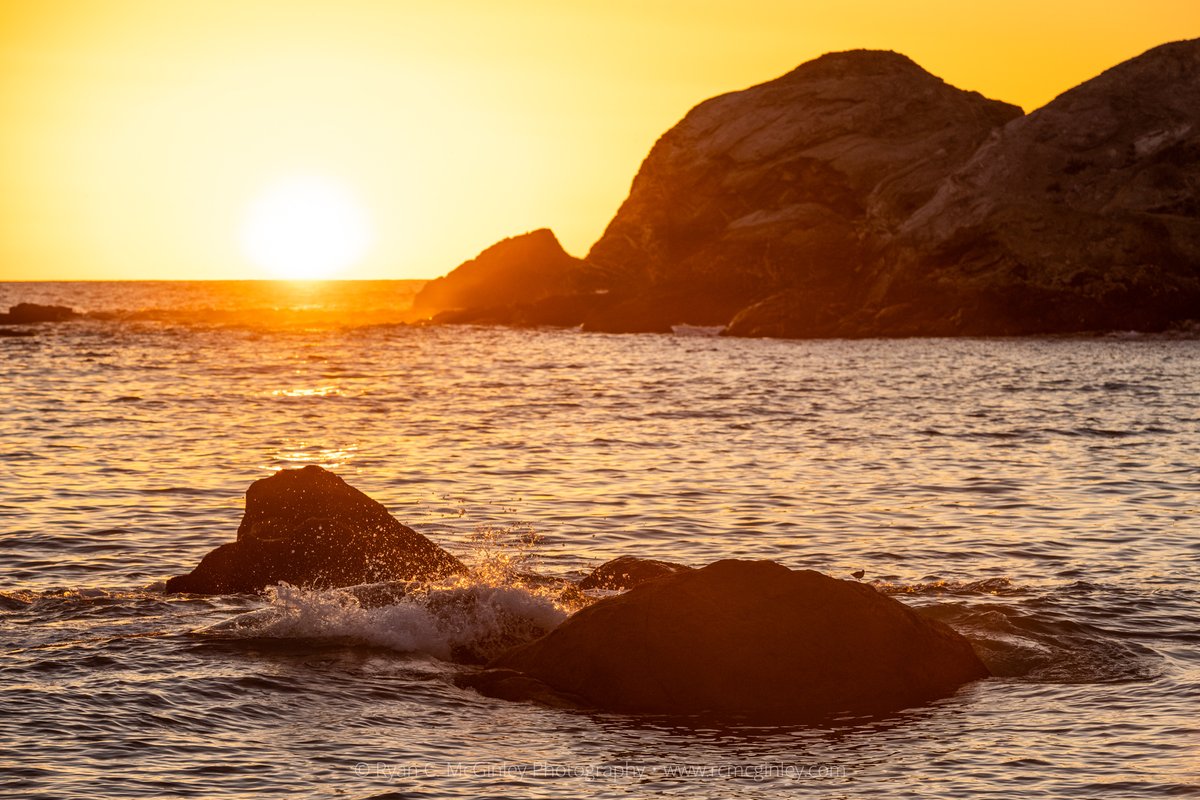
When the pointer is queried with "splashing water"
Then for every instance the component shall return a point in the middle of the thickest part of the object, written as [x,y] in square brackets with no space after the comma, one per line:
[504,556]
[468,618]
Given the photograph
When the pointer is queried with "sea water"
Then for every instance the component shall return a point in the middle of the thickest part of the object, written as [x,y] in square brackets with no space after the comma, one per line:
[1042,496]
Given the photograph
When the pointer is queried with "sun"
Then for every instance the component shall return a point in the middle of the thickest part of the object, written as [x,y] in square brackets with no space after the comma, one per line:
[305,228]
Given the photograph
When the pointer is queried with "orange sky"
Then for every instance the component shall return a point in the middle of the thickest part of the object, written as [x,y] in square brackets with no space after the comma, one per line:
[137,134]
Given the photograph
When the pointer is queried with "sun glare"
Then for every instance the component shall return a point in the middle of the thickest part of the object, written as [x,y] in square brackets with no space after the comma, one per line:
[305,228]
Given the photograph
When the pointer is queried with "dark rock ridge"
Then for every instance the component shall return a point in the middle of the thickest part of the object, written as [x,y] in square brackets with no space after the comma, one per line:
[626,572]
[26,313]
[858,195]
[309,528]
[740,638]
[502,280]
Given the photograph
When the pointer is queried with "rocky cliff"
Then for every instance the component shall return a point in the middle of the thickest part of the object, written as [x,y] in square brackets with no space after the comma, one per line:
[858,195]
[1083,215]
[788,183]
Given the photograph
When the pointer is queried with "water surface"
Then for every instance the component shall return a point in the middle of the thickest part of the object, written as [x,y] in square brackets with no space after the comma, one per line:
[1040,495]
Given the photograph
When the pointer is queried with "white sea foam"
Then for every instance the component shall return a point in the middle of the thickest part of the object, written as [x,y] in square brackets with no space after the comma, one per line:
[466,622]
[470,618]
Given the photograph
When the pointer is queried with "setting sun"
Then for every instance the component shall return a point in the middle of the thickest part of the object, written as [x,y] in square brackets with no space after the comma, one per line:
[128,143]
[599,398]
[305,228]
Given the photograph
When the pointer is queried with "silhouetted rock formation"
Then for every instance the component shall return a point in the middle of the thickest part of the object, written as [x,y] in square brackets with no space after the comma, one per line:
[628,571]
[744,638]
[785,183]
[309,528]
[1083,215]
[858,195]
[25,313]
[511,273]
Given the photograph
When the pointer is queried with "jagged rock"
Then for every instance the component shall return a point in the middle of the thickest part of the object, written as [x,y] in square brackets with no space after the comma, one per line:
[25,313]
[743,638]
[626,572]
[513,272]
[309,528]
[784,184]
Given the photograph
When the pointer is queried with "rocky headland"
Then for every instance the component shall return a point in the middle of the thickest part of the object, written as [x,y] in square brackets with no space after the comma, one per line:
[859,195]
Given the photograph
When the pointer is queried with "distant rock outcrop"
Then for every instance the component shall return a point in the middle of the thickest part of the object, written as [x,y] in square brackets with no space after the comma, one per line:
[26,313]
[507,276]
[309,528]
[858,195]
[740,638]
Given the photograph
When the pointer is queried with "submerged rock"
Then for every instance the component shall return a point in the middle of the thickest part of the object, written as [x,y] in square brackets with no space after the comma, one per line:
[25,313]
[740,638]
[628,571]
[309,528]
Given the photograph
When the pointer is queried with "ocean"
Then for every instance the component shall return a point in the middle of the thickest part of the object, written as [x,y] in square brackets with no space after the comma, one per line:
[1040,495]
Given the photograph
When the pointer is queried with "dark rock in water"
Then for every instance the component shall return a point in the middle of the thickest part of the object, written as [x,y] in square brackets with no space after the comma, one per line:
[16,333]
[511,273]
[25,313]
[308,527]
[627,571]
[741,638]
[784,184]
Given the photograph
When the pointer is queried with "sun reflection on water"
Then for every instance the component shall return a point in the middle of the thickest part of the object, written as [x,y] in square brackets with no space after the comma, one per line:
[313,391]
[302,453]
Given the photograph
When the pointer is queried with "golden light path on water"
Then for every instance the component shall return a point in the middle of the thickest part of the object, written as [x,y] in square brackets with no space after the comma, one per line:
[300,452]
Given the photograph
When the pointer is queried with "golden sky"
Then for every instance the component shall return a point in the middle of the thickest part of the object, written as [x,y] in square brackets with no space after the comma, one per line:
[138,135]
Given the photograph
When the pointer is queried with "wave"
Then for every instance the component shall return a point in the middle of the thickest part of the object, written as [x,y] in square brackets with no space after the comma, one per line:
[464,622]
[1019,634]
[473,621]
[1039,645]
[1042,647]
[63,604]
